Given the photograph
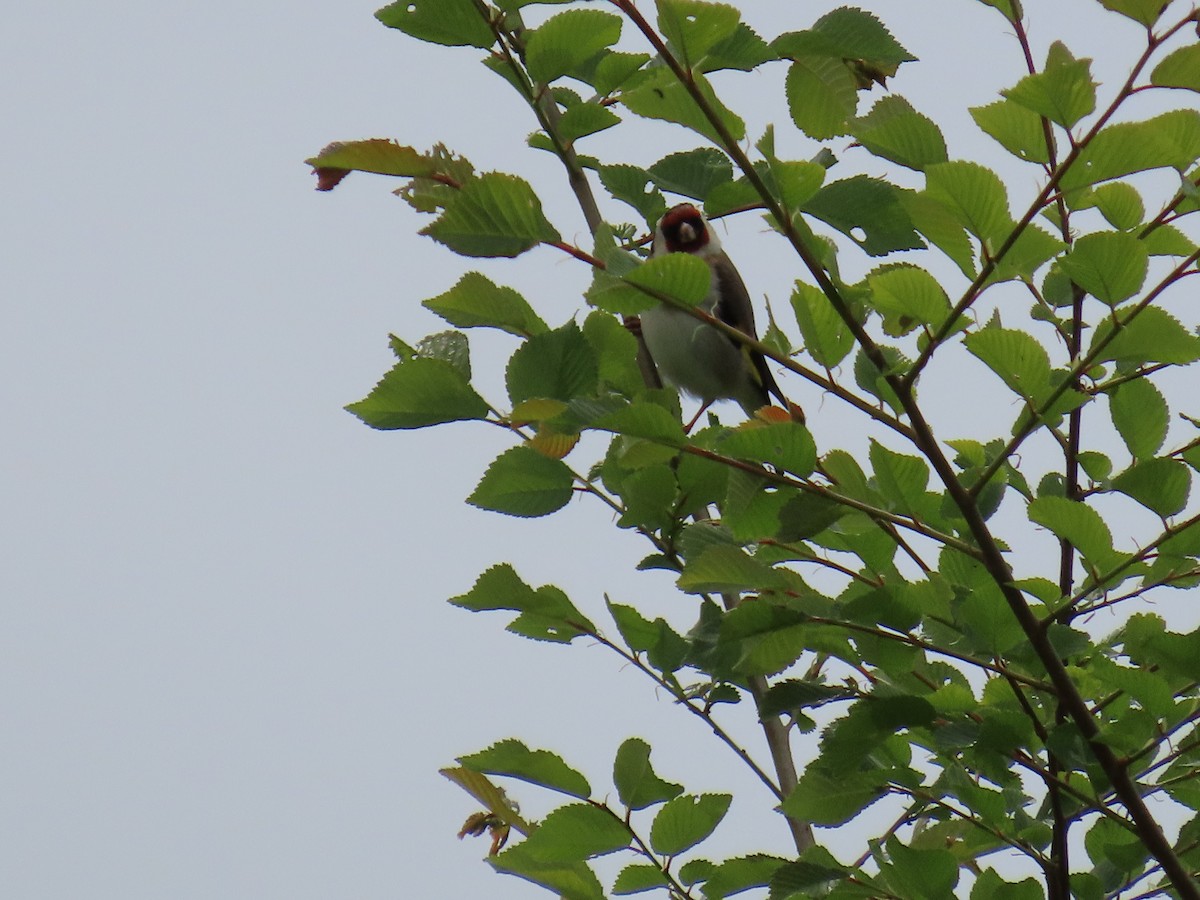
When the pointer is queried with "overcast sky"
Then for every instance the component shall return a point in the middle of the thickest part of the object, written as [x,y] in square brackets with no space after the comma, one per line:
[226,664]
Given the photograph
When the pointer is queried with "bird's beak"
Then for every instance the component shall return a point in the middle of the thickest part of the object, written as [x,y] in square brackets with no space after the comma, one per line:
[687,233]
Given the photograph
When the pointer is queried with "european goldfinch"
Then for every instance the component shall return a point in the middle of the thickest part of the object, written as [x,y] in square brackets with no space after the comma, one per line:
[695,357]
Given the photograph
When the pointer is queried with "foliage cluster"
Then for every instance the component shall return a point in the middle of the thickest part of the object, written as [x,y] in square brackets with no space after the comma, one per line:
[954,674]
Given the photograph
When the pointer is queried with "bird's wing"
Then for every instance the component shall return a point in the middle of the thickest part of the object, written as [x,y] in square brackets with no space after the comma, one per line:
[734,308]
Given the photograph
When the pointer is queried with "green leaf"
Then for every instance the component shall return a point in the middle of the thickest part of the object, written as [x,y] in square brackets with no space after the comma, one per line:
[794,183]
[557,365]
[786,445]
[565,41]
[1110,265]
[1029,252]
[1150,689]
[638,877]
[1171,140]
[576,832]
[896,131]
[1005,8]
[633,185]
[825,799]
[453,23]
[981,611]
[637,784]
[726,568]
[1113,847]
[383,157]
[1017,129]
[871,379]
[657,94]
[694,27]
[731,196]
[901,479]
[546,613]
[928,874]
[1075,522]
[846,34]
[512,758]
[813,874]
[907,296]
[686,821]
[1139,413]
[610,70]
[643,420]
[1063,92]
[420,392]
[767,638]
[1021,362]
[680,276]
[692,173]
[827,339]
[615,350]
[1096,465]
[1153,336]
[492,215]
[869,212]
[990,886]
[475,302]
[1161,485]
[663,647]
[1120,204]
[807,516]
[743,50]
[741,874]
[1179,69]
[975,196]
[791,695]
[1167,240]
[450,346]
[941,226]
[585,119]
[570,881]
[523,482]
[821,95]
[1146,12]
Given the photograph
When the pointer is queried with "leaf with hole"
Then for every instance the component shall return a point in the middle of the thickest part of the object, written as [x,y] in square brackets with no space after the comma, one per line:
[694,27]
[1017,129]
[452,23]
[869,212]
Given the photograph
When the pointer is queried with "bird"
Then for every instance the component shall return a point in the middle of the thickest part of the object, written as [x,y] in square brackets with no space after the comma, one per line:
[693,356]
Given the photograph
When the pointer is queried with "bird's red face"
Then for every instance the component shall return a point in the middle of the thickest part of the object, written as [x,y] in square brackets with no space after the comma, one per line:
[684,229]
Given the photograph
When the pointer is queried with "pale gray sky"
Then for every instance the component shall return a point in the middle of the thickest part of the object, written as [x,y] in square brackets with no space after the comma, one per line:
[226,664]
